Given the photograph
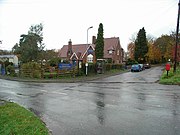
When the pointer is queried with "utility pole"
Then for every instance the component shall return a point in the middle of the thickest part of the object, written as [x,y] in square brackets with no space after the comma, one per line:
[177,33]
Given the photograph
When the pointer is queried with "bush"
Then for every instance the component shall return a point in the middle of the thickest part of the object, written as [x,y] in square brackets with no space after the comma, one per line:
[108,67]
[31,69]
[10,70]
[54,62]
[113,66]
[91,68]
[117,66]
[131,62]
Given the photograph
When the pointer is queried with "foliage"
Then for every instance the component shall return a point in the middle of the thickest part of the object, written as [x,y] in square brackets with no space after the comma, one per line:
[54,61]
[91,68]
[10,69]
[31,69]
[108,67]
[30,45]
[48,55]
[109,60]
[7,63]
[141,47]
[131,62]
[16,120]
[5,52]
[172,78]
[131,47]
[154,54]
[99,49]
[165,44]
[117,66]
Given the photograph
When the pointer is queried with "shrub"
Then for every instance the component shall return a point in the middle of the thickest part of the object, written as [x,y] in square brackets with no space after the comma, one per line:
[31,69]
[108,67]
[117,66]
[10,70]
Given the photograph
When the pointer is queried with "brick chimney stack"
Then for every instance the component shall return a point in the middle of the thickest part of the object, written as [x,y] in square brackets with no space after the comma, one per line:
[69,52]
[93,39]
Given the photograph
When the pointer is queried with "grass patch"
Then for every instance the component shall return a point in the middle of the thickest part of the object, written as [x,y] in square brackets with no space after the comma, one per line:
[16,120]
[172,78]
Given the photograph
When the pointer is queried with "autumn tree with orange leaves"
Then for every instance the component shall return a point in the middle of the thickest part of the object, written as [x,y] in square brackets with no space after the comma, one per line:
[130,48]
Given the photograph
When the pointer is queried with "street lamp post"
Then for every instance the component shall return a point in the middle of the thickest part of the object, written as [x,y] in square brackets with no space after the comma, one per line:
[87,45]
[87,33]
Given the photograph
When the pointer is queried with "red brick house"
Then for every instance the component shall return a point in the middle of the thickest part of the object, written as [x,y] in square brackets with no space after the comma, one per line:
[86,52]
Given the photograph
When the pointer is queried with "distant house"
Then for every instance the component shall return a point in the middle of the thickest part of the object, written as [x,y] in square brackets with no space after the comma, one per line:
[86,52]
[10,58]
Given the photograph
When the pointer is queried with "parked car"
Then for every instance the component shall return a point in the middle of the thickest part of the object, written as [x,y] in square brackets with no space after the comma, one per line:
[147,65]
[142,67]
[135,67]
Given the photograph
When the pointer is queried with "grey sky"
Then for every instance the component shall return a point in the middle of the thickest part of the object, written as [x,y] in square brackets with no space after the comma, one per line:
[69,19]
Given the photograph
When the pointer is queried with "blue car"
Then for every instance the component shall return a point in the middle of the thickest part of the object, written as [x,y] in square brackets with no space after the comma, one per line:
[135,68]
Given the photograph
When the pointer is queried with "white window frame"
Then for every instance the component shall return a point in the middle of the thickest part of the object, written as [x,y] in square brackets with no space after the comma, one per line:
[110,51]
[90,58]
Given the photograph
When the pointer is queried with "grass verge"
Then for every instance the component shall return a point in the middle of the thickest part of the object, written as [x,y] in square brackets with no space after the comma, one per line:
[16,120]
[172,78]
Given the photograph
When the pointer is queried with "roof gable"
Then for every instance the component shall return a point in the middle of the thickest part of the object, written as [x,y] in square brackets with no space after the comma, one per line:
[90,46]
[74,55]
[110,44]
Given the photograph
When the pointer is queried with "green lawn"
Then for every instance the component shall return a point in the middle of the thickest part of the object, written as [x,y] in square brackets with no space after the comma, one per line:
[16,120]
[172,78]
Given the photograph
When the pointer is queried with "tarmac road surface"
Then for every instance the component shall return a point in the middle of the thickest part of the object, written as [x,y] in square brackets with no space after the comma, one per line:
[125,104]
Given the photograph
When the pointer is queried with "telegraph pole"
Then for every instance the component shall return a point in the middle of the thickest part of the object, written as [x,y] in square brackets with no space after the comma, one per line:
[177,31]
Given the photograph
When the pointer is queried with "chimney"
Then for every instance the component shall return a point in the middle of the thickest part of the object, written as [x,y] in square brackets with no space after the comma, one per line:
[70,45]
[69,51]
[93,39]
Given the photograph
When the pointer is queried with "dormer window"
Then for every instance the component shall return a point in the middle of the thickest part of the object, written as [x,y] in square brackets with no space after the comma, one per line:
[110,51]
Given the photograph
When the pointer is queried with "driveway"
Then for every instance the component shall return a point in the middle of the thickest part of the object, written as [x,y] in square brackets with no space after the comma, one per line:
[125,104]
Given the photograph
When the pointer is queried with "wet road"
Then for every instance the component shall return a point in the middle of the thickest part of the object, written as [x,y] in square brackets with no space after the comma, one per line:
[125,104]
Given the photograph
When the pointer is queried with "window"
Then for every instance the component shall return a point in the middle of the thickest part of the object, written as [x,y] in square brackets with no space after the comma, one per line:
[90,58]
[110,51]
[117,52]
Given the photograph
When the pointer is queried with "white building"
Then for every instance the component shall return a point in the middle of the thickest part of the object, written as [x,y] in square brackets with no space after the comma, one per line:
[10,58]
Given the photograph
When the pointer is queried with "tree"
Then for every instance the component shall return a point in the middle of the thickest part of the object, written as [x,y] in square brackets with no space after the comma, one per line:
[99,49]
[30,45]
[141,47]
[165,44]
[154,54]
[130,48]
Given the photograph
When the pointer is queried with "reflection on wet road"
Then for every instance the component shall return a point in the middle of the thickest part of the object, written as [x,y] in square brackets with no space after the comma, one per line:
[129,103]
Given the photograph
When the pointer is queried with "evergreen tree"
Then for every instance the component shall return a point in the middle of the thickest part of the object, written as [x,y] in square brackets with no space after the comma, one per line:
[141,47]
[99,49]
[30,45]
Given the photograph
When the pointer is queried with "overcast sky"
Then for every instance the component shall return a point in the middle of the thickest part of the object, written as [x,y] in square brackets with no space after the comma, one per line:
[70,19]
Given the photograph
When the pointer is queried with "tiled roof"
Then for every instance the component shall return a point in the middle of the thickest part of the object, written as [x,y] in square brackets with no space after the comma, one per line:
[78,48]
[7,56]
[109,43]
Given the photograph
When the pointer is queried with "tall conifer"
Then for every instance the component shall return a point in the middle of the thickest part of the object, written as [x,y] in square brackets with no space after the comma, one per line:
[99,49]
